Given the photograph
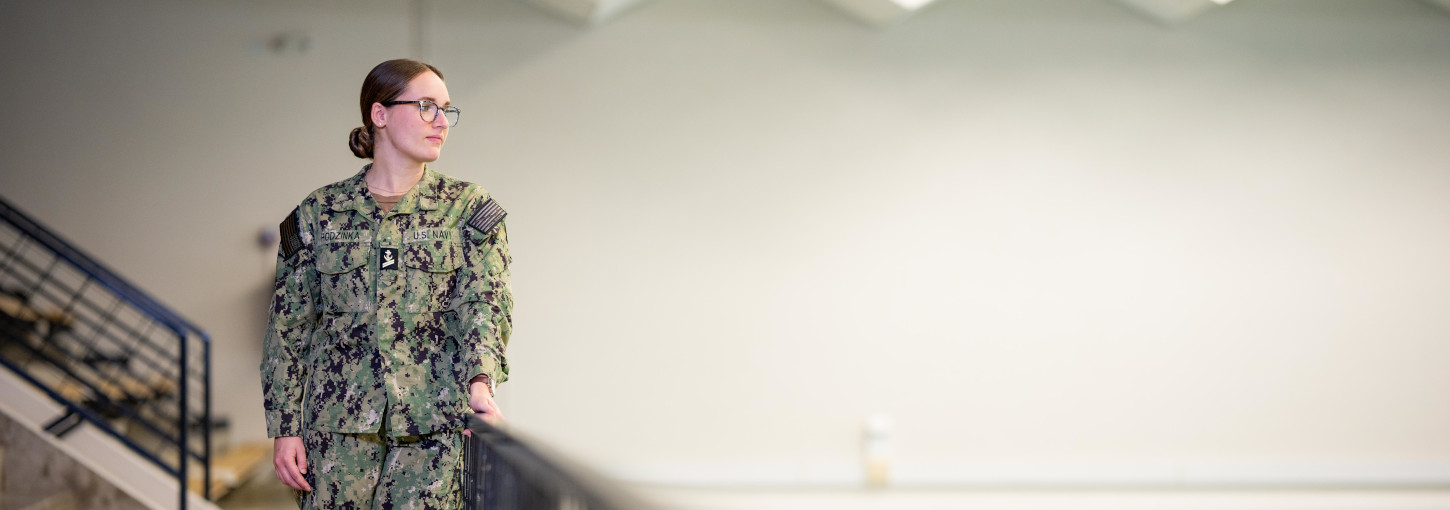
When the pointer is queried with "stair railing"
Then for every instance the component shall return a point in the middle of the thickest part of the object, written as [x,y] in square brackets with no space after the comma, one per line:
[503,472]
[111,355]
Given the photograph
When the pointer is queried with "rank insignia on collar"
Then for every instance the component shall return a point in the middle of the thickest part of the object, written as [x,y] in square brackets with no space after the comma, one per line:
[388,258]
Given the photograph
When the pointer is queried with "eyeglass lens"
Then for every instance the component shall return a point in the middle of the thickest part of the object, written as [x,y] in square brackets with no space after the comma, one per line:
[428,110]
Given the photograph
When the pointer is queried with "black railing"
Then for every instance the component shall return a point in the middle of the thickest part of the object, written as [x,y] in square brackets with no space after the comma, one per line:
[110,354]
[501,472]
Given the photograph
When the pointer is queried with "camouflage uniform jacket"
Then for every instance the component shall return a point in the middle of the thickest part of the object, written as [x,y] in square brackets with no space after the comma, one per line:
[390,314]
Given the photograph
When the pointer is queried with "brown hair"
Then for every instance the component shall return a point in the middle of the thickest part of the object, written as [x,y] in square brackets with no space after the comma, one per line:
[384,83]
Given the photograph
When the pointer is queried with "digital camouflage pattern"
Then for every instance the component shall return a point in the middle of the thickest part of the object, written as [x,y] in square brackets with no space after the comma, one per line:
[373,471]
[390,314]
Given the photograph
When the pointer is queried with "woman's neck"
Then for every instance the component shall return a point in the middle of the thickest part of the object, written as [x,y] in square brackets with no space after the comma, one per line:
[391,177]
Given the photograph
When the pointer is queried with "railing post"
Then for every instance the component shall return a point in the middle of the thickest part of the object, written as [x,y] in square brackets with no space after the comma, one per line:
[470,474]
[105,400]
[185,447]
[206,411]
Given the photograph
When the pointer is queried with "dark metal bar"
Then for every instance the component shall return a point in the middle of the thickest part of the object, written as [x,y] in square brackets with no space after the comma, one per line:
[91,417]
[97,327]
[14,251]
[62,425]
[206,413]
[185,448]
[503,472]
[88,265]
[88,357]
[101,332]
[100,395]
[45,275]
[75,296]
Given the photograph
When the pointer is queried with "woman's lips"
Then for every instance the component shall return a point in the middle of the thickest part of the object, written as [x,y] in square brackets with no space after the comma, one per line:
[438,139]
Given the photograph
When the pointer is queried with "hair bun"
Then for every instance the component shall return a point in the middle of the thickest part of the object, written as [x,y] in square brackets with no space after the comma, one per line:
[386,81]
[361,143]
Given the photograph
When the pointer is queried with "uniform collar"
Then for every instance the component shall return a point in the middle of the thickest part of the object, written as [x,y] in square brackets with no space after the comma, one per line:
[423,196]
[355,196]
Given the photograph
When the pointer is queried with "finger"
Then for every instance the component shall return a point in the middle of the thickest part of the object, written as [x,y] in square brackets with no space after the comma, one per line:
[485,404]
[281,471]
[298,482]
[293,477]
[282,475]
[302,467]
[486,408]
[302,482]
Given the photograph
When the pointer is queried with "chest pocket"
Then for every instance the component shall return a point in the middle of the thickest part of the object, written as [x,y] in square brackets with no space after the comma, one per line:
[343,273]
[431,272]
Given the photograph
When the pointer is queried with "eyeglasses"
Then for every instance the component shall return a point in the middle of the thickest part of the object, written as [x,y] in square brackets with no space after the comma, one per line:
[428,110]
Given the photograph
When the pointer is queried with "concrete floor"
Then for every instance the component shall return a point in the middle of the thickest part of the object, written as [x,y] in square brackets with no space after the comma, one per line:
[702,499]
[261,492]
[265,492]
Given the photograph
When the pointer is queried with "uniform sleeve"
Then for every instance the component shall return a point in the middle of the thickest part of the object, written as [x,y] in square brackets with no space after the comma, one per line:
[485,303]
[294,314]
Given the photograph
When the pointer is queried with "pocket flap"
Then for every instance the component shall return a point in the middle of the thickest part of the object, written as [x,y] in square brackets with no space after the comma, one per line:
[336,258]
[433,257]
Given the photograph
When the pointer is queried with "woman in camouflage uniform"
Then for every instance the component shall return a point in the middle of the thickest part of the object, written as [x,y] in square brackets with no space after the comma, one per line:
[390,315]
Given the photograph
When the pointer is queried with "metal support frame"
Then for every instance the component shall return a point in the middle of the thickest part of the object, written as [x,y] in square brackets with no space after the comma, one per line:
[501,472]
[100,336]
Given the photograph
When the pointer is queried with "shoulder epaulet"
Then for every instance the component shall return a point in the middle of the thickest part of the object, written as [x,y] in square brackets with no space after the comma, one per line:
[484,217]
[291,239]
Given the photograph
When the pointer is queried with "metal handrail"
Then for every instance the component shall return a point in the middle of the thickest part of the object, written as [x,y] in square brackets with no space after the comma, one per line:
[504,472]
[89,265]
[168,349]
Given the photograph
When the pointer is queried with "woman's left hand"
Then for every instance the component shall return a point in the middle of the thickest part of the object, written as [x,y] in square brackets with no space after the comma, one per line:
[482,403]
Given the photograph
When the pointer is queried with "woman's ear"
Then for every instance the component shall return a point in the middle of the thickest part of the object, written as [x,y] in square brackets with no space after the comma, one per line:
[380,115]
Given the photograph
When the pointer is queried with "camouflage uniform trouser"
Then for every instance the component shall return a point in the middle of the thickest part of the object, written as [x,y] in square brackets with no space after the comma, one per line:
[369,471]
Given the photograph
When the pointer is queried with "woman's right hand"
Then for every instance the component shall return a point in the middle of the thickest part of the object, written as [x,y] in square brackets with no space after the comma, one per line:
[290,462]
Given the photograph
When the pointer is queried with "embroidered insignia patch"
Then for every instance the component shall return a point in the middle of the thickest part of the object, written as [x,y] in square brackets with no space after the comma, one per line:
[291,240]
[486,216]
[388,258]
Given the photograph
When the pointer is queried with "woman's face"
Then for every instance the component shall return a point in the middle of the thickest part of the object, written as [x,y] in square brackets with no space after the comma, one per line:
[407,133]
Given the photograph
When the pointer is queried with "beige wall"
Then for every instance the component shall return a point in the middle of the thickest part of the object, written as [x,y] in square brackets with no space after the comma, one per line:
[1054,241]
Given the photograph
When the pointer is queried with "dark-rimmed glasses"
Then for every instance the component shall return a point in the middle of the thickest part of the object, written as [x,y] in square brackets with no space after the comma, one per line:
[428,110]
